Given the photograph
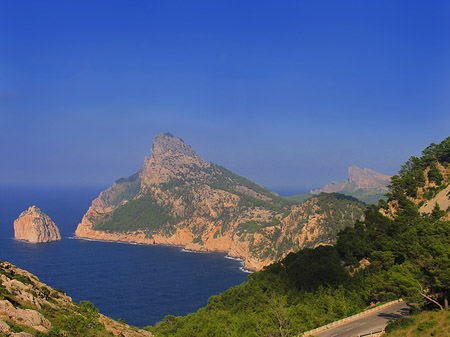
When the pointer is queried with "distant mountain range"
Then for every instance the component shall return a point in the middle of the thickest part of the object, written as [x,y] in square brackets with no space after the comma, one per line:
[364,184]
[178,198]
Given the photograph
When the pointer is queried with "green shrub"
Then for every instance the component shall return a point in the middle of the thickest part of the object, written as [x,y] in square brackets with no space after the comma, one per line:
[22,278]
[401,323]
[434,174]
[14,327]
[78,325]
[45,291]
[88,307]
[59,291]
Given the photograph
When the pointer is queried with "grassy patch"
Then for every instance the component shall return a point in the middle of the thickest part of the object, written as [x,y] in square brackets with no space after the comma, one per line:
[427,323]
[22,278]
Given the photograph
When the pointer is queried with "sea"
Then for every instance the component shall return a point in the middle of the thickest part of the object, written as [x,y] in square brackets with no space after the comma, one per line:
[138,283]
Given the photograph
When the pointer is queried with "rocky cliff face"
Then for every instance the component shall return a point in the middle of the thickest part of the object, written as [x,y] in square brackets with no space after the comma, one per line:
[364,184]
[180,199]
[29,307]
[172,159]
[35,226]
[358,179]
[366,178]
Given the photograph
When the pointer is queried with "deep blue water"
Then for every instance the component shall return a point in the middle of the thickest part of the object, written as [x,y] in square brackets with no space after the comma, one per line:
[138,283]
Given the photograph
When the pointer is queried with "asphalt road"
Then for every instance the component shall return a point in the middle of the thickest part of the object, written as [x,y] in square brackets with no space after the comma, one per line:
[366,324]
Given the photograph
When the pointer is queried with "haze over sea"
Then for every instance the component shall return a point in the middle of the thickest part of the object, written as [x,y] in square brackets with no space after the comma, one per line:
[138,283]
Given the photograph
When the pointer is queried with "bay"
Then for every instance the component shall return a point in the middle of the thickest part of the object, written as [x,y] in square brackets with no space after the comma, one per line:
[138,283]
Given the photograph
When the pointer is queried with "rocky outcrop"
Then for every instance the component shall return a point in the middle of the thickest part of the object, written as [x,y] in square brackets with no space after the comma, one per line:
[172,159]
[366,178]
[442,199]
[363,184]
[28,304]
[28,317]
[178,198]
[357,179]
[35,226]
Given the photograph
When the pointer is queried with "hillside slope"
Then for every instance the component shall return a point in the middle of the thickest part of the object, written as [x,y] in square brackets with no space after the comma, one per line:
[178,198]
[424,181]
[395,252]
[30,306]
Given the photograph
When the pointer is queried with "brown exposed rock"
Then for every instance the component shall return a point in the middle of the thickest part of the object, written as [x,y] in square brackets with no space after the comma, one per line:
[35,226]
[251,193]
[28,317]
[170,158]
[442,198]
[4,327]
[22,291]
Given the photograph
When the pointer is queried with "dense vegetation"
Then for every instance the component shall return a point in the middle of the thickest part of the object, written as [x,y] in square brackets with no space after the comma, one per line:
[279,301]
[141,213]
[409,256]
[125,189]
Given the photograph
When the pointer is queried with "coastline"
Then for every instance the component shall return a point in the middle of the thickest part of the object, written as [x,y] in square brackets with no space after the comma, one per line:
[183,249]
[182,237]
[242,261]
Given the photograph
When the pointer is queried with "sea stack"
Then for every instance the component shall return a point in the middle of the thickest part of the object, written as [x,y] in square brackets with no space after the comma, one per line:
[33,225]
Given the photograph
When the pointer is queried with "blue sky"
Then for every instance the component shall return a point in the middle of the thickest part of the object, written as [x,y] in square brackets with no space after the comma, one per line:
[286,93]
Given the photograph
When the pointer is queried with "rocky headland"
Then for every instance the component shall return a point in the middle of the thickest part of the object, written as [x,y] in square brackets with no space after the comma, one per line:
[364,184]
[35,226]
[178,198]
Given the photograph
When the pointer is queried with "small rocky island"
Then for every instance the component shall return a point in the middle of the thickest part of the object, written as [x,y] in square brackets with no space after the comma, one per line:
[34,226]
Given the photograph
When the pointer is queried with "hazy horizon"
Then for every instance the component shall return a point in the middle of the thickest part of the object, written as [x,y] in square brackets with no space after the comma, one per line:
[287,94]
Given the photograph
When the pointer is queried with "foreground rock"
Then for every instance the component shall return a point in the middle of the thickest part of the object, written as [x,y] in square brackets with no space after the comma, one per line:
[29,307]
[178,198]
[35,226]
